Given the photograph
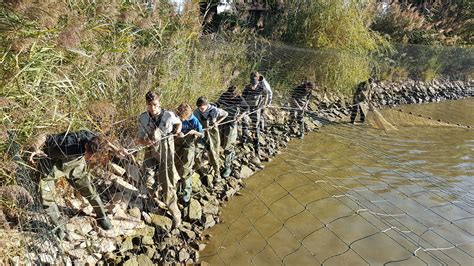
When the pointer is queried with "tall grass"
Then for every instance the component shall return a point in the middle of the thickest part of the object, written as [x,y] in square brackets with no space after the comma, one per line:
[59,57]
[338,33]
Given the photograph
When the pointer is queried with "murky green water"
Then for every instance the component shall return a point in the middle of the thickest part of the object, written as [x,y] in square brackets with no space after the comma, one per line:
[355,195]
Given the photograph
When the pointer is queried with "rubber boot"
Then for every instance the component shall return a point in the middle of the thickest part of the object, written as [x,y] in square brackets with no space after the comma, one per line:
[101,216]
[301,136]
[60,229]
[229,157]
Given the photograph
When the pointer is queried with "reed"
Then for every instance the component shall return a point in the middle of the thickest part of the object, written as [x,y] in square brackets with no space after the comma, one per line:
[60,57]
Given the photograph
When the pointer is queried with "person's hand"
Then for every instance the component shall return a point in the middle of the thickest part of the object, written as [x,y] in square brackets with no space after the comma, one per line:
[210,127]
[123,152]
[37,153]
[179,135]
[150,142]
[196,133]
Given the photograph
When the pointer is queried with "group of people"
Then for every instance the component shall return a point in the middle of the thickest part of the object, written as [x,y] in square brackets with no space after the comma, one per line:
[172,140]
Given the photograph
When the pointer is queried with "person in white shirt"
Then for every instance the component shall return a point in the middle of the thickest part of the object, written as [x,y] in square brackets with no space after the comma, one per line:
[156,130]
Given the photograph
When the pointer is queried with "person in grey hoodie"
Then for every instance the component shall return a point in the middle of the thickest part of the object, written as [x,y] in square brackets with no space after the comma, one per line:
[210,117]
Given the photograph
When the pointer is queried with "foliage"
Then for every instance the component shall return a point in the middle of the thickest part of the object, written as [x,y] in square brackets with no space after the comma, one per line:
[328,24]
[403,24]
[332,69]
[60,58]
[427,22]
[337,34]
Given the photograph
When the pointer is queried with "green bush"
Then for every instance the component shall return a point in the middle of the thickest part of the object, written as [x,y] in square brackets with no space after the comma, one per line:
[340,45]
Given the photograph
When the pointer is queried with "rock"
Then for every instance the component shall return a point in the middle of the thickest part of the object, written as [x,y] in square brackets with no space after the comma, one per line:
[133,172]
[190,234]
[245,172]
[183,255]
[150,252]
[147,230]
[170,253]
[111,259]
[122,227]
[230,192]
[123,185]
[310,125]
[116,169]
[195,210]
[187,225]
[208,221]
[171,241]
[77,253]
[104,245]
[141,260]
[127,244]
[196,257]
[93,259]
[161,222]
[210,209]
[135,212]
[79,204]
[146,217]
[197,184]
[118,204]
[79,225]
[147,240]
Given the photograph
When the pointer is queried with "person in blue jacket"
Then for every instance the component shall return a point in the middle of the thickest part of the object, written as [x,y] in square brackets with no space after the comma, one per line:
[186,147]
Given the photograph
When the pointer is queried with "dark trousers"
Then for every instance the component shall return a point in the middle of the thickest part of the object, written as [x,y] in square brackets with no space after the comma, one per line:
[357,109]
[253,125]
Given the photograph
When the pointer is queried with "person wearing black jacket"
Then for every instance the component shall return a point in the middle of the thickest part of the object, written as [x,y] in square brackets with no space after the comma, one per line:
[70,154]
[360,101]
[254,96]
[236,106]
[300,98]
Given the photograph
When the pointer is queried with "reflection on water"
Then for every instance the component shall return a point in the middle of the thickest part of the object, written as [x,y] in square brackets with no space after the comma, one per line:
[354,195]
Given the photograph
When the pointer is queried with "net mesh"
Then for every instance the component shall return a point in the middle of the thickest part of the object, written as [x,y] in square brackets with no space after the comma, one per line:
[371,207]
[279,220]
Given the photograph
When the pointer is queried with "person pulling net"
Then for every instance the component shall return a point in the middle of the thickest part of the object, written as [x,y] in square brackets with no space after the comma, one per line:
[73,155]
[361,105]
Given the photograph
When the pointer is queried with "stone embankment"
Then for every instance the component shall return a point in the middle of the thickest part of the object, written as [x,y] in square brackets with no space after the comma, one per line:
[143,235]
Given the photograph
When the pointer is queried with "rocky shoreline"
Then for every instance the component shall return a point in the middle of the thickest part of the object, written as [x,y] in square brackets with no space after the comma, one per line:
[147,238]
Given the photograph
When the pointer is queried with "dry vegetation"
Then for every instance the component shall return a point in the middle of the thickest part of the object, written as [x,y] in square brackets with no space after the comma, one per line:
[59,57]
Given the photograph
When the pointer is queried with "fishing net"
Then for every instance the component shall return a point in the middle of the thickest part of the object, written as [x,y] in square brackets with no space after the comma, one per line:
[286,217]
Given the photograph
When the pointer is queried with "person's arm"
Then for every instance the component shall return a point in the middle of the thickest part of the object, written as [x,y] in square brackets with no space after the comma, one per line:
[197,127]
[243,108]
[269,91]
[177,125]
[243,105]
[143,138]
[120,150]
[178,128]
[36,148]
[221,115]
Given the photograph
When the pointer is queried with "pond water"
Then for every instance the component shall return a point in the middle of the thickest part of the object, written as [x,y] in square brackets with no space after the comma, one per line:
[350,195]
